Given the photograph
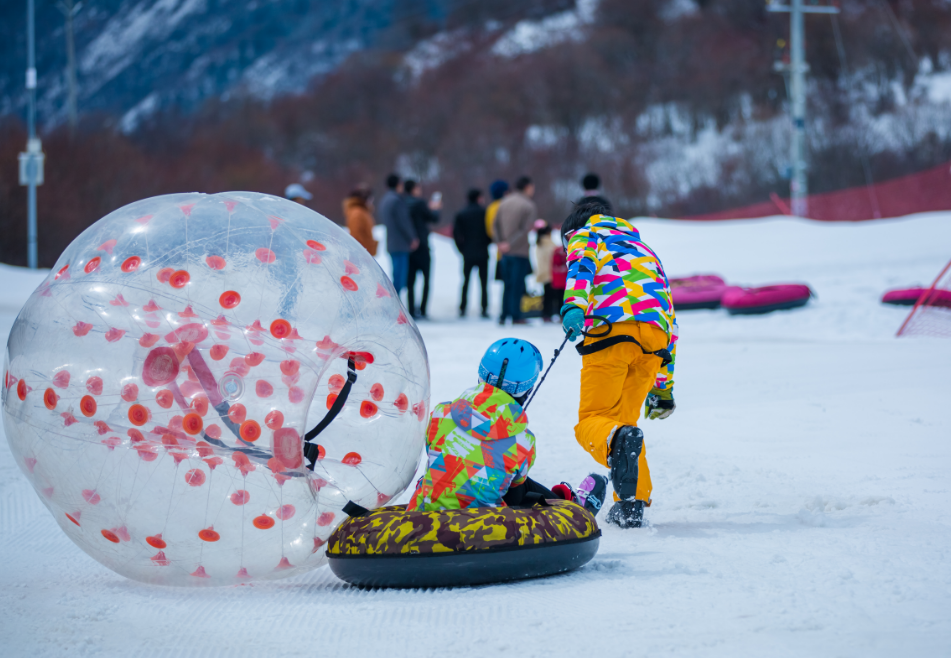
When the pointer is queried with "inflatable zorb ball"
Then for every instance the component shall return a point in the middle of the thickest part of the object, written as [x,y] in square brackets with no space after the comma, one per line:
[204,382]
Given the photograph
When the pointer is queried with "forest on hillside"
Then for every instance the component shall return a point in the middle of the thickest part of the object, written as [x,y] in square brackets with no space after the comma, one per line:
[626,93]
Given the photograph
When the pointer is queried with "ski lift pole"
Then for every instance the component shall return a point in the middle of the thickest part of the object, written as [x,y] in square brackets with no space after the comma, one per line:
[31,161]
[542,380]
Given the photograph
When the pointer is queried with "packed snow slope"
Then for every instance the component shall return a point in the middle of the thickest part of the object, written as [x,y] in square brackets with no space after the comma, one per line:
[801,500]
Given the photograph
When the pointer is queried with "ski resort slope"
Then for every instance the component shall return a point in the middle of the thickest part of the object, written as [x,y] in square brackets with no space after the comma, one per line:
[801,505]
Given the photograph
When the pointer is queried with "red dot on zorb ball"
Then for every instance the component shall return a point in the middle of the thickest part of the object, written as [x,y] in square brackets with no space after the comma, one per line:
[49,398]
[192,423]
[368,409]
[208,534]
[280,328]
[250,430]
[348,283]
[215,262]
[229,299]
[313,244]
[138,415]
[92,265]
[179,278]
[160,367]
[352,458]
[131,264]
[87,405]
[237,413]
[195,477]
[274,420]
[265,255]
[263,522]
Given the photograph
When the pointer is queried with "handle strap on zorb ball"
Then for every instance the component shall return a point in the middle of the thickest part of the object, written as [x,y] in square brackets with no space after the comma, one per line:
[311,450]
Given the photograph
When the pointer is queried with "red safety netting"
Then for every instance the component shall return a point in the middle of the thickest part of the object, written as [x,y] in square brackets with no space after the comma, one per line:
[930,316]
[922,192]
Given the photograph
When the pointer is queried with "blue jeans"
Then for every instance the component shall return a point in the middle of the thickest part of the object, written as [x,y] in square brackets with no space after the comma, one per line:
[514,271]
[400,269]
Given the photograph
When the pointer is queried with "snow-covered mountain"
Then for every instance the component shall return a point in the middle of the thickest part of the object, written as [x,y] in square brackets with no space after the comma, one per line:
[140,55]
[135,57]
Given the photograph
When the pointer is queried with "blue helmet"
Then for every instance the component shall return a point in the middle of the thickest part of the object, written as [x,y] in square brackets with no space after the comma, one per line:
[512,365]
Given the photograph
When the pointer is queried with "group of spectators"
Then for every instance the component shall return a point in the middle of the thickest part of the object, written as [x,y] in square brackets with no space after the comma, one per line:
[507,221]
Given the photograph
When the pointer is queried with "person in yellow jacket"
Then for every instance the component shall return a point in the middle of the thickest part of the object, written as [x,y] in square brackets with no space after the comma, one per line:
[618,296]
[498,189]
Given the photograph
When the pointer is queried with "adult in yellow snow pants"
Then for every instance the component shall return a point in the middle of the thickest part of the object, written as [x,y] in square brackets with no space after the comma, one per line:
[615,382]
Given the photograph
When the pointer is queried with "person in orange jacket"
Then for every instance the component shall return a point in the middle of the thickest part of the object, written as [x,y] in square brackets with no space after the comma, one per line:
[358,210]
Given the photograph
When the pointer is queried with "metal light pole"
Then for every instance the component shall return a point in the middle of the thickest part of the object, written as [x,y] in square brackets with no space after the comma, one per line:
[31,162]
[799,185]
[69,9]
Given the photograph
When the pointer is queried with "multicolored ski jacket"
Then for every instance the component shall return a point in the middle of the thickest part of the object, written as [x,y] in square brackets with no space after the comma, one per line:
[613,274]
[479,446]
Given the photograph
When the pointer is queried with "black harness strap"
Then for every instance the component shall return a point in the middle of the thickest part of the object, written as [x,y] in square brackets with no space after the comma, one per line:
[311,451]
[610,341]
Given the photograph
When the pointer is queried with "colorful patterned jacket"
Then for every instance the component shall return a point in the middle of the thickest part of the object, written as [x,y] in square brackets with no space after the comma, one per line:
[478,446]
[613,274]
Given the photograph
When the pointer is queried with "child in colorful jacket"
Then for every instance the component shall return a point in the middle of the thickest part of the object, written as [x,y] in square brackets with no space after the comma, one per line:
[627,361]
[479,446]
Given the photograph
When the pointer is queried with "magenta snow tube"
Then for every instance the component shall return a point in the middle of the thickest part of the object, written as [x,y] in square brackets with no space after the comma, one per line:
[696,292]
[909,297]
[751,301]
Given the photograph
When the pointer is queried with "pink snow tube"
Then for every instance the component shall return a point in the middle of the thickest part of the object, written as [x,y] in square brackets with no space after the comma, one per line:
[750,301]
[909,296]
[695,292]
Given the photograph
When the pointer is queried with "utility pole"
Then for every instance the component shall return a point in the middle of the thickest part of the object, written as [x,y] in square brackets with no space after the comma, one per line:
[31,162]
[69,8]
[797,68]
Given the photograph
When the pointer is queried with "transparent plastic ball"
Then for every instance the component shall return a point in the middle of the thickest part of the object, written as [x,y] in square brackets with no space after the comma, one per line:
[162,388]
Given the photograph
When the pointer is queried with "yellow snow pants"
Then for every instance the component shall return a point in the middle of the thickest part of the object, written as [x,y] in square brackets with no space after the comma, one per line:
[614,384]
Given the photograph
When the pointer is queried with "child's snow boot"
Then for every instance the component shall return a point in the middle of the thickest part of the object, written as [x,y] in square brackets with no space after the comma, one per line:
[563,491]
[591,493]
[626,448]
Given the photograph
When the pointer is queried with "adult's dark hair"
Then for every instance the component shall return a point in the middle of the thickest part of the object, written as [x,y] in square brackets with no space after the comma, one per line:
[542,232]
[392,181]
[473,195]
[408,186]
[591,181]
[498,189]
[581,214]
[522,183]
[361,192]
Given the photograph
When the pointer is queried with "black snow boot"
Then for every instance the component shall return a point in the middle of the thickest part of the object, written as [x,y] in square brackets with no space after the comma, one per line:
[625,450]
[627,514]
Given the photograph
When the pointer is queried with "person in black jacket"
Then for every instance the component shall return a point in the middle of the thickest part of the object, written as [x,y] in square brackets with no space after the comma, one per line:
[420,259]
[473,242]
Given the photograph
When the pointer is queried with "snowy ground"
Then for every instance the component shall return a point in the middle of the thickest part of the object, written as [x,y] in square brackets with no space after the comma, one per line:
[801,501]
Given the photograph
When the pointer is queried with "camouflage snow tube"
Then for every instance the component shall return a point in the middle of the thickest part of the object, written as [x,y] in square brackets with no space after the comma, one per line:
[391,547]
